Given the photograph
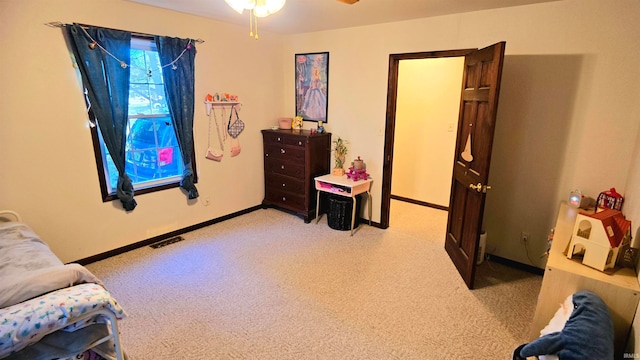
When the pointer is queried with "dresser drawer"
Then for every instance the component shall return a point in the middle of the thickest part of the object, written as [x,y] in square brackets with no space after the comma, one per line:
[273,138]
[281,152]
[281,167]
[295,141]
[284,183]
[286,139]
[285,199]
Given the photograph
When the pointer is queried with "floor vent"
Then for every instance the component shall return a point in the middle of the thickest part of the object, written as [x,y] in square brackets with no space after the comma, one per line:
[166,242]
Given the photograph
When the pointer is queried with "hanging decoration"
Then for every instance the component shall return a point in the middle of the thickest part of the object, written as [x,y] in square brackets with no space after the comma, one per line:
[93,44]
[233,129]
[216,154]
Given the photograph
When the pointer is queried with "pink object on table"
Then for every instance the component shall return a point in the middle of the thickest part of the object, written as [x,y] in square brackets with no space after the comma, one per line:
[356,175]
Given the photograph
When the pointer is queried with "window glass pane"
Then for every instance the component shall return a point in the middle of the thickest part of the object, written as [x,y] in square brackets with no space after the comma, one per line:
[139,101]
[146,92]
[158,101]
[110,170]
[152,150]
[113,174]
[153,64]
[138,67]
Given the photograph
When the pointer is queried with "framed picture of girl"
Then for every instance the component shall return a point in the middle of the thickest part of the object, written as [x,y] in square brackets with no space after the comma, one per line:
[312,86]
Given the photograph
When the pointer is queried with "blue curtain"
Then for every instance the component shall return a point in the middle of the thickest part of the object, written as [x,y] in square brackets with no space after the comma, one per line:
[178,72]
[107,82]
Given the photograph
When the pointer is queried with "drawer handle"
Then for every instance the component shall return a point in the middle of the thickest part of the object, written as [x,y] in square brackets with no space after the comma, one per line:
[284,185]
[282,167]
[300,143]
[267,154]
[282,151]
[278,139]
[284,198]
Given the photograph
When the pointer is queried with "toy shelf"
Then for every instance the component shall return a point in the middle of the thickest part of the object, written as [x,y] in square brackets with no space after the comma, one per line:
[563,277]
[222,103]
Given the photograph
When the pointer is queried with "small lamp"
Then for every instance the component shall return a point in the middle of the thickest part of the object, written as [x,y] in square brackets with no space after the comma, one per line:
[575,198]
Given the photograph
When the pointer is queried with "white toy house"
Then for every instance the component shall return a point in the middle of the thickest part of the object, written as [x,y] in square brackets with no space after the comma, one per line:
[599,235]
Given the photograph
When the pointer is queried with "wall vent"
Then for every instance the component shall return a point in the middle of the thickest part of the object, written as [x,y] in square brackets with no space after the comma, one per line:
[166,242]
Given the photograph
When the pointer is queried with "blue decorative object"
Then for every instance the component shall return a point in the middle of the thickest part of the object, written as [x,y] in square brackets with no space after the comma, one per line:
[588,334]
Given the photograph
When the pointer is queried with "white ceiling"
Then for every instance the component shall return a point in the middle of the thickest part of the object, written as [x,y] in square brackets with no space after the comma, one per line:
[300,16]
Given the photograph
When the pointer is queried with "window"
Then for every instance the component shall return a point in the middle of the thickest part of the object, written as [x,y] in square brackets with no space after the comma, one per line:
[584,229]
[152,156]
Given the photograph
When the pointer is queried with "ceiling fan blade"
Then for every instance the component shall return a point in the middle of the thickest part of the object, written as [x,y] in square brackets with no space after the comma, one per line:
[350,2]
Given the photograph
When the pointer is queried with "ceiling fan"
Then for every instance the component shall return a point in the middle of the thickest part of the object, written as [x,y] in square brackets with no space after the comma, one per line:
[350,2]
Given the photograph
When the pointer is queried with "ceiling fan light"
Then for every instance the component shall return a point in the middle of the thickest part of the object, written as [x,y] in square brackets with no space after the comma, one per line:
[261,11]
[250,4]
[275,5]
[257,8]
[267,7]
[237,5]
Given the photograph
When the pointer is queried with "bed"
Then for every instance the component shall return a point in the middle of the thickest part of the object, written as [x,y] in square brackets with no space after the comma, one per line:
[50,310]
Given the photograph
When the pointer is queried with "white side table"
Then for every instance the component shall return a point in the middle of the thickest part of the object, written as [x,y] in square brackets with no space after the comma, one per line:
[343,186]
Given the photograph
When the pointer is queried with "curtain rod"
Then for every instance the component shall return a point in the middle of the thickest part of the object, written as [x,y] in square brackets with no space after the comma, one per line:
[58,24]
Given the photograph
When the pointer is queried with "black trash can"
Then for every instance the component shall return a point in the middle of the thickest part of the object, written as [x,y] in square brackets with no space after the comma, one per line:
[339,215]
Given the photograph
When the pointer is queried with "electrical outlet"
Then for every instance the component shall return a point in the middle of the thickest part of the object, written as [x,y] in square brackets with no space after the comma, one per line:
[524,237]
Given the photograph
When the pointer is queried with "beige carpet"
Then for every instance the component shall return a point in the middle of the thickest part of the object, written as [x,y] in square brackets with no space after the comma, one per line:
[267,286]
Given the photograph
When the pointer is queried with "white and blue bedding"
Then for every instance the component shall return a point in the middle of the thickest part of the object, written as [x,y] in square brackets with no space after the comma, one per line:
[43,299]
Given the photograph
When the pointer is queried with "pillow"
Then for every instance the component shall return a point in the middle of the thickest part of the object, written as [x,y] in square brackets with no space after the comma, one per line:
[17,289]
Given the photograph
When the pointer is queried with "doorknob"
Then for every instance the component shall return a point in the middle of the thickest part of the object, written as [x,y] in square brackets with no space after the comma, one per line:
[480,188]
[477,187]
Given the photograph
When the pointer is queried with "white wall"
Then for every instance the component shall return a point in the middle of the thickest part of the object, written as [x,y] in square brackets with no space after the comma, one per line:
[566,117]
[426,126]
[48,170]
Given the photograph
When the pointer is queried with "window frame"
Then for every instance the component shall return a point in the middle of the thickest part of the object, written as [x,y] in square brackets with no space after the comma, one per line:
[101,157]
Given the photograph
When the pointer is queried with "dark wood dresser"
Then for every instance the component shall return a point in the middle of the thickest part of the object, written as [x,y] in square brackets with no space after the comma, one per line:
[292,158]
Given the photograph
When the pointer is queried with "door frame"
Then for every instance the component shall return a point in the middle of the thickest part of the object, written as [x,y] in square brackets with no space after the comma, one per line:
[389,135]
